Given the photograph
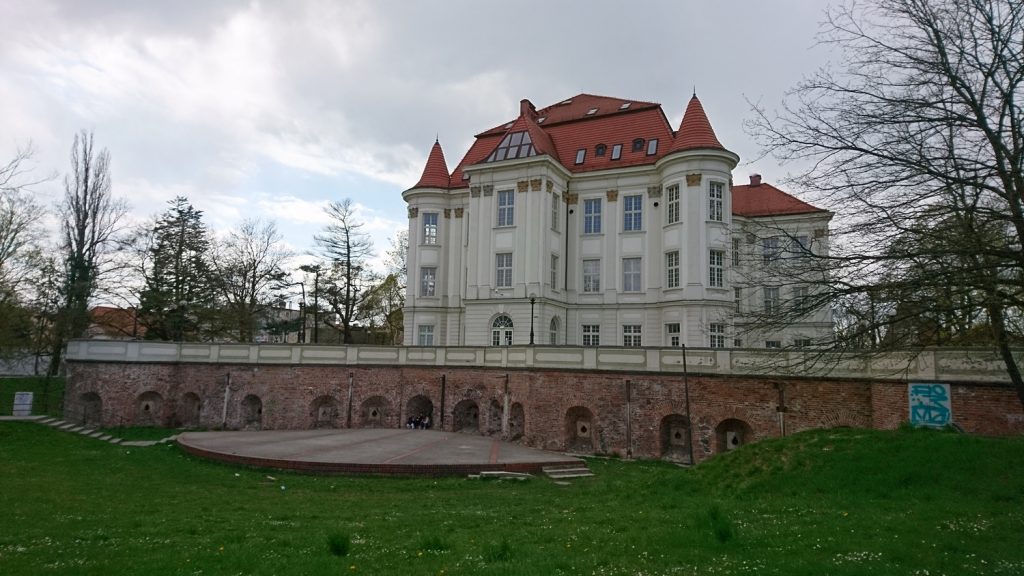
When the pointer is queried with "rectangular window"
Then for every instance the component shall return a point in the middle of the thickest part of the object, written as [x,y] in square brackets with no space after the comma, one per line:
[716,335]
[672,334]
[652,147]
[632,211]
[556,210]
[773,343]
[802,342]
[592,216]
[428,279]
[553,272]
[591,275]
[580,155]
[630,274]
[631,335]
[715,201]
[506,207]
[736,247]
[800,301]
[591,334]
[430,227]
[503,270]
[799,246]
[771,300]
[672,193]
[426,335]
[737,343]
[716,270]
[672,269]
[737,298]
[616,151]
[770,249]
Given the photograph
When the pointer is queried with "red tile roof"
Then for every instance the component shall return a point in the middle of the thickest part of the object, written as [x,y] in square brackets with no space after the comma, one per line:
[767,200]
[435,173]
[695,130]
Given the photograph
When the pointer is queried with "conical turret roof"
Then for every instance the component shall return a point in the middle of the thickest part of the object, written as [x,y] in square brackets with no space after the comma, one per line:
[695,130]
[435,173]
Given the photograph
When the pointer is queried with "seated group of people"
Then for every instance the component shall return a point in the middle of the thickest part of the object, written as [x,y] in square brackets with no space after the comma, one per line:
[418,422]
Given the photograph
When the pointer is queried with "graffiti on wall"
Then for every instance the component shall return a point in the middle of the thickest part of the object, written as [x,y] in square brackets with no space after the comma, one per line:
[930,404]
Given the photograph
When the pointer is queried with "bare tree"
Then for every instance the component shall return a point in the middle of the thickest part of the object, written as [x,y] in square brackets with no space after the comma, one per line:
[249,265]
[89,220]
[20,226]
[917,142]
[343,243]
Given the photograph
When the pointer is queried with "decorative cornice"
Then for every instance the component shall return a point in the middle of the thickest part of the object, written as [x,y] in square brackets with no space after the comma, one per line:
[693,179]
[571,198]
[551,185]
[447,213]
[488,189]
[523,185]
[612,195]
[474,191]
[414,212]
[458,212]
[535,184]
[654,191]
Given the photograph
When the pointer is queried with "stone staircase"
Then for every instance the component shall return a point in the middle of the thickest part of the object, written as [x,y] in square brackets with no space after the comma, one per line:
[568,471]
[59,424]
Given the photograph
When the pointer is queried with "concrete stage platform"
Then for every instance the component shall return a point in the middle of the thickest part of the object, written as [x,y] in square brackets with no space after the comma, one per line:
[385,451]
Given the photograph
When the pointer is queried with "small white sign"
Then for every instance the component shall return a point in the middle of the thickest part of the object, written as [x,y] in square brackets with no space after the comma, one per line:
[22,404]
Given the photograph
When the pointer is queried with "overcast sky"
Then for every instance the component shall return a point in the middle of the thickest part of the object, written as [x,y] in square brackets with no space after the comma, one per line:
[273,109]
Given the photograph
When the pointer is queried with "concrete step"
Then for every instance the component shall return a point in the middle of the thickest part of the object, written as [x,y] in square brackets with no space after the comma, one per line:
[105,437]
[67,426]
[567,475]
[47,419]
[502,475]
[85,431]
[567,471]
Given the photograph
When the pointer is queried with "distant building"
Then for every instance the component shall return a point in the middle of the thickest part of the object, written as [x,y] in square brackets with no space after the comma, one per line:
[611,228]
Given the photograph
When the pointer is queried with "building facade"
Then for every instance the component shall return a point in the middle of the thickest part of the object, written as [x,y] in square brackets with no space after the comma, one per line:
[592,223]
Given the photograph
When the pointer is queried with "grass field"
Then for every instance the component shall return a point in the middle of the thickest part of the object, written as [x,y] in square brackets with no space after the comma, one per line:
[825,502]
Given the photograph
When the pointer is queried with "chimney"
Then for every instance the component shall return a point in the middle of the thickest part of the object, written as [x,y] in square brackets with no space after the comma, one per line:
[755,180]
[526,108]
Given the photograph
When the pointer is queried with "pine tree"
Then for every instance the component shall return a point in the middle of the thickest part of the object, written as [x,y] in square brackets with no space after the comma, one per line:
[179,295]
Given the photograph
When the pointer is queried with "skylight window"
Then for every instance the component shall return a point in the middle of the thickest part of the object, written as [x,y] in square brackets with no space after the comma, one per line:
[541,119]
[616,151]
[638,144]
[514,145]
[581,154]
[652,147]
[625,105]
[565,102]
[592,111]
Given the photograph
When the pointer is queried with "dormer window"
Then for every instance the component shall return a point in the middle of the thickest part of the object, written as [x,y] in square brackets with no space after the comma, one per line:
[600,149]
[581,154]
[616,151]
[514,145]
[625,106]
[652,147]
[638,144]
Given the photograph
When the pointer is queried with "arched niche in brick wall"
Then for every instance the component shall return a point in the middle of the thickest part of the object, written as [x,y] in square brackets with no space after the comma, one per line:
[420,406]
[731,434]
[148,409]
[252,412]
[323,412]
[189,410]
[674,432]
[579,430]
[374,412]
[466,417]
[516,421]
[91,410]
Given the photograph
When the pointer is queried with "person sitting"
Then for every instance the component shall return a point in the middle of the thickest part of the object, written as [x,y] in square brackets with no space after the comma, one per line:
[410,423]
[426,422]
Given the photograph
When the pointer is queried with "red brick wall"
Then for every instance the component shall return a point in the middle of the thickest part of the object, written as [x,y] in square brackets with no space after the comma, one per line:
[555,404]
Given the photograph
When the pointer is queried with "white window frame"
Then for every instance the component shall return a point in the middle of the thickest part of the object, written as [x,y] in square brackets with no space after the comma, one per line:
[769,249]
[556,211]
[632,335]
[672,209]
[591,277]
[553,330]
[672,275]
[591,334]
[771,299]
[673,334]
[425,336]
[773,344]
[632,213]
[632,274]
[716,191]
[716,269]
[506,208]
[503,270]
[430,223]
[502,332]
[428,281]
[716,335]
[553,272]
[592,210]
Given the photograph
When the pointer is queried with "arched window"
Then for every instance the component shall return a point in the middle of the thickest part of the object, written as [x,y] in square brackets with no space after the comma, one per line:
[501,331]
[553,331]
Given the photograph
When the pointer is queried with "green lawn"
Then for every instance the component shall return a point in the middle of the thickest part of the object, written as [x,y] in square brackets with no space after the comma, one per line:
[48,394]
[826,502]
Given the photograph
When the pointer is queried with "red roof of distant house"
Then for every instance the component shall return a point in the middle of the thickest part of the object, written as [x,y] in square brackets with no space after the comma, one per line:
[115,323]
[695,130]
[435,173]
[760,199]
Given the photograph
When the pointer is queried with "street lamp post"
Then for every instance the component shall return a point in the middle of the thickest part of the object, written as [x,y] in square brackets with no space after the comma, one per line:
[533,300]
[315,270]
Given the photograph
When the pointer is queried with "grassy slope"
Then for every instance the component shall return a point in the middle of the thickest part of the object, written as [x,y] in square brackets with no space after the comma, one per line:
[827,502]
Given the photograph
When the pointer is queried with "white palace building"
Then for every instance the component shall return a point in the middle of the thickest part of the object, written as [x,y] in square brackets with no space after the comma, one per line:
[593,223]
